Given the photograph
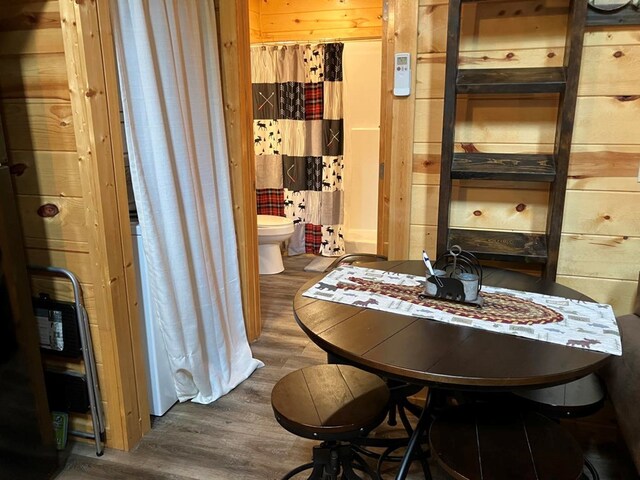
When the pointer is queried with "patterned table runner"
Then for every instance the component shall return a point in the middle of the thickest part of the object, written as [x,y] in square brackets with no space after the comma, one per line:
[574,323]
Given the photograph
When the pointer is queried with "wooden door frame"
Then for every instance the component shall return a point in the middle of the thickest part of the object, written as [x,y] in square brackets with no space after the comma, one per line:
[235,62]
[399,34]
[397,116]
[400,31]
[91,70]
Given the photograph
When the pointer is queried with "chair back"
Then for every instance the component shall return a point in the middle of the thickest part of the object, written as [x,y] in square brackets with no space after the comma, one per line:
[351,258]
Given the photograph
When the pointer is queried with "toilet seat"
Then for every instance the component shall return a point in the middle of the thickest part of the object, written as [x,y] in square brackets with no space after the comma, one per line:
[273,225]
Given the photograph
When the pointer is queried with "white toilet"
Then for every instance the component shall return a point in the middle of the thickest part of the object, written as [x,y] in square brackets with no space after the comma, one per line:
[272,231]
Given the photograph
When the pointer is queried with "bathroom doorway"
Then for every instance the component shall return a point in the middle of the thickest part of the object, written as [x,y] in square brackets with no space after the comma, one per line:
[279,23]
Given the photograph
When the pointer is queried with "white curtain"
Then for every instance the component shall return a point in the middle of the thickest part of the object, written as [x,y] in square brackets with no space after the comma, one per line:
[170,84]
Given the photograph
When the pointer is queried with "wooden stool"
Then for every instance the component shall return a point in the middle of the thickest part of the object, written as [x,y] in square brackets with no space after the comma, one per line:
[473,443]
[335,404]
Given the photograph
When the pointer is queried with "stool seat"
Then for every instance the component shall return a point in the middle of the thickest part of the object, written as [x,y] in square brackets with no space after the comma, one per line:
[579,398]
[475,442]
[330,402]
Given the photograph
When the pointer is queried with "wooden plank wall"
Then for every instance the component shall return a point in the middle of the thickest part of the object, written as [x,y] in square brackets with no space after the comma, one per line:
[254,21]
[36,108]
[397,119]
[36,111]
[600,249]
[287,20]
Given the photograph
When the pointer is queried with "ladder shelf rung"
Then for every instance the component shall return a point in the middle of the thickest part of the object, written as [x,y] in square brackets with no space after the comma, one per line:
[501,246]
[511,80]
[504,166]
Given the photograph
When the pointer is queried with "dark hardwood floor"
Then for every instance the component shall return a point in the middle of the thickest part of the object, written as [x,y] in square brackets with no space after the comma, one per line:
[237,437]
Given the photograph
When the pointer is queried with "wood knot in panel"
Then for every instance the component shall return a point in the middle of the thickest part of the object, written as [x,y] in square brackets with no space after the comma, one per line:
[477,213]
[510,55]
[520,207]
[627,98]
[17,169]
[48,210]
[607,217]
[551,54]
[469,148]
[618,54]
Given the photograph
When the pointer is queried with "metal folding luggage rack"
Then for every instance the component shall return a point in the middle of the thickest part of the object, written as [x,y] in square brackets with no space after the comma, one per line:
[81,346]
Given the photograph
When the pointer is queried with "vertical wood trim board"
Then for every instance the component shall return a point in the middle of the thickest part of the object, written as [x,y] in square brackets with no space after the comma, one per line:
[83,52]
[386,130]
[117,147]
[398,128]
[233,35]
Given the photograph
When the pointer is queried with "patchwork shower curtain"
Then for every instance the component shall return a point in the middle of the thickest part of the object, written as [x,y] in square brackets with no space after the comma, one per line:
[299,140]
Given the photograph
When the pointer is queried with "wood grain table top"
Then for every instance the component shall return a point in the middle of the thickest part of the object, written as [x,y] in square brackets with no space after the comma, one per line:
[433,353]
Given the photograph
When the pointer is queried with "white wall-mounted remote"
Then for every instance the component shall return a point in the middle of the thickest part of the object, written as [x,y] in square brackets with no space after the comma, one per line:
[402,75]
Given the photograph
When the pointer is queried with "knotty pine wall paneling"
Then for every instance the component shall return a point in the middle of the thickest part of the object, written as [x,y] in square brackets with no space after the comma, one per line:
[39,120]
[600,249]
[319,20]
[254,21]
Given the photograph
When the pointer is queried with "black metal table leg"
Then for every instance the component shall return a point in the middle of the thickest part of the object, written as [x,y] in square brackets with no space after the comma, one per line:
[414,442]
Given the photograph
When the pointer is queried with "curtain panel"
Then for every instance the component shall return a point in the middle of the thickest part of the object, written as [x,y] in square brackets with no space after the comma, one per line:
[169,71]
[299,141]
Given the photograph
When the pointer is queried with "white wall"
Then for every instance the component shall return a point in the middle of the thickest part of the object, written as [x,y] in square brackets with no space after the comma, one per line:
[362,72]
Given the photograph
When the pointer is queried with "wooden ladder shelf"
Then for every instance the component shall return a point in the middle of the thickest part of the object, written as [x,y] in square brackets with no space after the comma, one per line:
[520,247]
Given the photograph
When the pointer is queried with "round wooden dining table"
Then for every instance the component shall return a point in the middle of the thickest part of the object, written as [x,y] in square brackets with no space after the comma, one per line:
[441,355]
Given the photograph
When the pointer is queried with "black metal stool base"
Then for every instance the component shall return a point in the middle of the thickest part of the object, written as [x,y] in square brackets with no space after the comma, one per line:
[333,459]
[591,469]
